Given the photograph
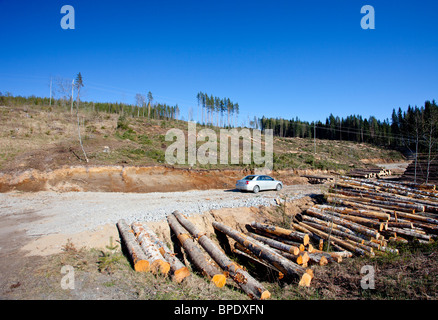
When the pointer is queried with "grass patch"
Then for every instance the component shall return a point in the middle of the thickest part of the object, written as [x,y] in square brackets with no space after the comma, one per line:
[108,274]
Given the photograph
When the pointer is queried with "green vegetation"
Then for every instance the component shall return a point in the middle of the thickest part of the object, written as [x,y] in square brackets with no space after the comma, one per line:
[414,129]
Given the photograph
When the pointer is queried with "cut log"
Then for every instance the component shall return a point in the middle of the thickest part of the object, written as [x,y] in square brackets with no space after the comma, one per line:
[245,281]
[287,267]
[136,254]
[277,244]
[386,185]
[364,247]
[359,212]
[241,250]
[329,216]
[387,204]
[277,238]
[329,224]
[335,232]
[318,258]
[410,233]
[330,256]
[389,194]
[195,253]
[311,235]
[364,221]
[281,232]
[340,242]
[399,224]
[416,217]
[178,270]
[158,264]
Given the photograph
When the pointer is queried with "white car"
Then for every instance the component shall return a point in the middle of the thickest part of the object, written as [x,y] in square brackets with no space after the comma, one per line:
[256,183]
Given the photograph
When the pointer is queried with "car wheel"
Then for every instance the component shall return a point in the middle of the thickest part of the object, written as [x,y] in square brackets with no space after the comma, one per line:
[256,189]
[279,187]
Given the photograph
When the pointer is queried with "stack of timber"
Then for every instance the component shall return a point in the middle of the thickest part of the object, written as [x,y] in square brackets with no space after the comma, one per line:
[370,173]
[362,215]
[423,170]
[265,254]
[189,237]
[313,179]
[148,253]
[297,244]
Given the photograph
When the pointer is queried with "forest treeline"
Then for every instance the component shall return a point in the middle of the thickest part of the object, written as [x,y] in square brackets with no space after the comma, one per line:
[415,128]
[142,108]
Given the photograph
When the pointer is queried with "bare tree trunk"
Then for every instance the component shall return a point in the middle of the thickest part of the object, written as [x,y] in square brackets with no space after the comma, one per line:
[429,153]
[72,86]
[416,158]
[79,127]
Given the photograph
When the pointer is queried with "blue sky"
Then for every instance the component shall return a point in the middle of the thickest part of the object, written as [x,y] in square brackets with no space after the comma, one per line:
[287,59]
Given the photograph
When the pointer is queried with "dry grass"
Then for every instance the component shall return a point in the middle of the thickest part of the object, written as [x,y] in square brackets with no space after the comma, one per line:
[44,137]
[410,275]
[117,280]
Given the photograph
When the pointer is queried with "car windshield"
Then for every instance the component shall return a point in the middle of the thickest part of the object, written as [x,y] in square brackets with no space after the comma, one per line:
[249,178]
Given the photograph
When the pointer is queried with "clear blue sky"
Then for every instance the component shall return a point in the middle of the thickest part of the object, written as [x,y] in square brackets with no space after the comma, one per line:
[287,59]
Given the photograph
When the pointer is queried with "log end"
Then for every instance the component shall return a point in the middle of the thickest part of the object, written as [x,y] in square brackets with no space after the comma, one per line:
[310,248]
[323,261]
[305,280]
[265,295]
[219,280]
[309,272]
[142,266]
[305,257]
[294,250]
[160,267]
[306,239]
[180,274]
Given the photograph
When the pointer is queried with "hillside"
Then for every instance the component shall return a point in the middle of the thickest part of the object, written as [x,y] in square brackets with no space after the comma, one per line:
[46,138]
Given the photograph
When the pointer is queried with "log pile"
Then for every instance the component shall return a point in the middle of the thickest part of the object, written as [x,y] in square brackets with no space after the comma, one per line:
[193,240]
[299,245]
[314,179]
[245,281]
[148,253]
[360,218]
[369,173]
[267,255]
[362,215]
[417,171]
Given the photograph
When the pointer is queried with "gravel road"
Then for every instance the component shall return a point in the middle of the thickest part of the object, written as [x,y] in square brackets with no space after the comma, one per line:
[74,212]
[34,225]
